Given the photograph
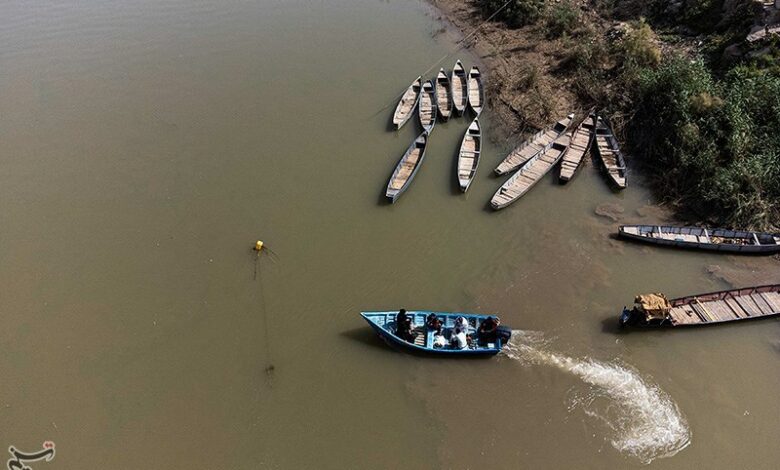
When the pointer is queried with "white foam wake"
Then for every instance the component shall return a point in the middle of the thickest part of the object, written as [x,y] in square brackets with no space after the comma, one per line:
[642,419]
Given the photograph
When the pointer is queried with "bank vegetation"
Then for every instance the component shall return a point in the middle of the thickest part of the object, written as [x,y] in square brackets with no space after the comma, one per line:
[697,106]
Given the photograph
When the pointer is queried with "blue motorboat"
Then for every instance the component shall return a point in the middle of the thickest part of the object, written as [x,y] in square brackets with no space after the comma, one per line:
[426,340]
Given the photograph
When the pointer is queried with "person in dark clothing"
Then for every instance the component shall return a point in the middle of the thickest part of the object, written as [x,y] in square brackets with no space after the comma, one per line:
[433,323]
[488,330]
[403,326]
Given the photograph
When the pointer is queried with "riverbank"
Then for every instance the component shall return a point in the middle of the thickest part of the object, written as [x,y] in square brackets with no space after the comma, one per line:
[521,89]
[679,89]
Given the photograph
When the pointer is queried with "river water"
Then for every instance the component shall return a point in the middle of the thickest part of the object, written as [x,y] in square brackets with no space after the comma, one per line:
[145,146]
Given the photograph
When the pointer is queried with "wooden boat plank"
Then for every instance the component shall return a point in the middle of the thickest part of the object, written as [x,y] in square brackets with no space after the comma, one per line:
[773,299]
[762,305]
[756,310]
[746,307]
[736,307]
[705,318]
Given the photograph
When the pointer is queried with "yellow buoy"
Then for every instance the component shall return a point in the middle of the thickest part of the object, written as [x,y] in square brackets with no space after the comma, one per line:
[258,245]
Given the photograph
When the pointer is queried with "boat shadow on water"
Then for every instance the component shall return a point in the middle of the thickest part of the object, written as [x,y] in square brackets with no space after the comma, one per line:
[612,325]
[365,336]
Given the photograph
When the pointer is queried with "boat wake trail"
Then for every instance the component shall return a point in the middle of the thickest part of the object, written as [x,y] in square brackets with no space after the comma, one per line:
[642,419]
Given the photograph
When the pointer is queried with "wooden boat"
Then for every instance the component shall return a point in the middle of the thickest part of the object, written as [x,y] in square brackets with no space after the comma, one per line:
[468,157]
[609,153]
[459,87]
[535,145]
[427,108]
[748,303]
[476,90]
[443,95]
[581,140]
[407,167]
[715,239]
[530,174]
[384,325]
[407,104]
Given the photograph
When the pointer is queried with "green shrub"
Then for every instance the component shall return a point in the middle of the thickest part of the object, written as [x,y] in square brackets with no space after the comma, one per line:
[639,46]
[562,19]
[517,13]
[713,145]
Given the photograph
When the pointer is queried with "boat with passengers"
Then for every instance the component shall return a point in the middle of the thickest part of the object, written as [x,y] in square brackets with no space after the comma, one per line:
[431,333]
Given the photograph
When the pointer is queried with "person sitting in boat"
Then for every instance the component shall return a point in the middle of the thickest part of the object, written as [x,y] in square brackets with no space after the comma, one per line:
[459,340]
[433,323]
[462,323]
[404,327]
[488,330]
[439,341]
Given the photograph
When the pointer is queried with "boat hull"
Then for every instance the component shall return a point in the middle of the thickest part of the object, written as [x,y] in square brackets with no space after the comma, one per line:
[681,242]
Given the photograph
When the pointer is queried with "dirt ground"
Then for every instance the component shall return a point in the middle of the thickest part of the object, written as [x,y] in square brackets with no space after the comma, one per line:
[526,87]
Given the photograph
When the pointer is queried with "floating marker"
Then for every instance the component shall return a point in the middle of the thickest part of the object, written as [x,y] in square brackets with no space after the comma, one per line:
[258,245]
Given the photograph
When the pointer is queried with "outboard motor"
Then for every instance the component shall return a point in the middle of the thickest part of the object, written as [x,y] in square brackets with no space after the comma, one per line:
[503,333]
[628,318]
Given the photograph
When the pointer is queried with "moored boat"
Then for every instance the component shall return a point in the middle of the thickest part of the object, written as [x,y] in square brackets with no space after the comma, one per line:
[532,147]
[443,95]
[427,108]
[712,239]
[581,140]
[407,167]
[476,90]
[608,151]
[530,174]
[425,340]
[459,87]
[655,310]
[405,107]
[468,156]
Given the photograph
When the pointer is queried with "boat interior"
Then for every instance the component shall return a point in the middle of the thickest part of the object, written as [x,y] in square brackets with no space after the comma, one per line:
[703,235]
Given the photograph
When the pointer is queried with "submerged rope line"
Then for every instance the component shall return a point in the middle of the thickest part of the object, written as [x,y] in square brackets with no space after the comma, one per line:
[269,368]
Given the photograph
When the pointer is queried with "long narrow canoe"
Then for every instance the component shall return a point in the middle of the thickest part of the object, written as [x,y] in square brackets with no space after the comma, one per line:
[459,87]
[714,239]
[407,104]
[384,325]
[468,157]
[581,140]
[608,151]
[654,310]
[476,90]
[530,174]
[407,167]
[427,108]
[443,95]
[532,147]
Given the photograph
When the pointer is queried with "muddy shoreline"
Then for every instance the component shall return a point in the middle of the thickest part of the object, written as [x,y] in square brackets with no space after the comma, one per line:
[524,91]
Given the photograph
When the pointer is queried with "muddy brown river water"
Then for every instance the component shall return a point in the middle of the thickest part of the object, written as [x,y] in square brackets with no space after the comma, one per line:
[145,146]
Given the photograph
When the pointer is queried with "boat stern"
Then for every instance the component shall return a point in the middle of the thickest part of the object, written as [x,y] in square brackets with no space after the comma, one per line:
[629,317]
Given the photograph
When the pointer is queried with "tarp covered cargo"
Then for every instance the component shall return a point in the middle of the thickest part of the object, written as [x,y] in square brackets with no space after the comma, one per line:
[654,305]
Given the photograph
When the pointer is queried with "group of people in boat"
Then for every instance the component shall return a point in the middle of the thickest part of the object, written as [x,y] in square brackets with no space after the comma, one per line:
[459,336]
